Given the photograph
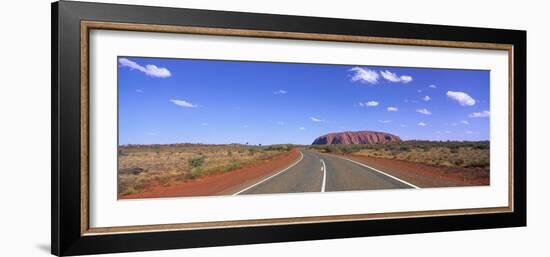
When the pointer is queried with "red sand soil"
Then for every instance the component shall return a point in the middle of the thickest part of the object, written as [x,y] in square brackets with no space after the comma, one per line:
[220,184]
[424,175]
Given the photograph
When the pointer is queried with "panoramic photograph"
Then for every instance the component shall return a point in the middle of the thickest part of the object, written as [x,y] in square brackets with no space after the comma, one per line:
[189,127]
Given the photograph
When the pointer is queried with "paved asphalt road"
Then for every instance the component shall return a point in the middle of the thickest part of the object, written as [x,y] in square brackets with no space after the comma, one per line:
[316,172]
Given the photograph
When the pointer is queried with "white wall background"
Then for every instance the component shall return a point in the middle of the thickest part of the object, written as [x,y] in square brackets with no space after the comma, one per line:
[25,127]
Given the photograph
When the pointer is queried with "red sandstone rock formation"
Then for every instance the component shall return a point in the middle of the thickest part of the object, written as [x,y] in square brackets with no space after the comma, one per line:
[356,137]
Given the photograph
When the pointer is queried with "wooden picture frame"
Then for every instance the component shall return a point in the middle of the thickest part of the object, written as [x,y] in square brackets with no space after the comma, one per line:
[71,25]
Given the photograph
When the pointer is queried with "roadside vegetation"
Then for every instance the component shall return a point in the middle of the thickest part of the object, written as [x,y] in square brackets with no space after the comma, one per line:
[438,153]
[140,166]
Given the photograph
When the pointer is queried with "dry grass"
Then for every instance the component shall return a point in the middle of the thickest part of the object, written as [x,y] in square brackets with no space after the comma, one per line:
[139,166]
[438,156]
[446,154]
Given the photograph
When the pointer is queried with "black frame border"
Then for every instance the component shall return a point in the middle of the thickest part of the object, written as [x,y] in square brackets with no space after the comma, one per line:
[66,236]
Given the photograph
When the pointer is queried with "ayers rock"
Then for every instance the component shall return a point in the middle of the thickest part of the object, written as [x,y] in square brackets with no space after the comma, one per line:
[356,137]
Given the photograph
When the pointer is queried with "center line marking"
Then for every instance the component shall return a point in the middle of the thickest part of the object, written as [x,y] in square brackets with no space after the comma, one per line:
[324,169]
[272,176]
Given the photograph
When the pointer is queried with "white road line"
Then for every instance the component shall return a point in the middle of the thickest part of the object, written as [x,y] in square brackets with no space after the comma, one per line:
[324,168]
[381,172]
[272,176]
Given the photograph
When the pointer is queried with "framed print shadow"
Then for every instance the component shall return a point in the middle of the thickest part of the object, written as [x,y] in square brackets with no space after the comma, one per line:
[177,128]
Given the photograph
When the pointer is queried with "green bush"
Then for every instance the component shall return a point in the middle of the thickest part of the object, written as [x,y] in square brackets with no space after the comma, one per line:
[279,148]
[197,172]
[196,162]
[479,164]
[481,146]
[405,148]
[231,166]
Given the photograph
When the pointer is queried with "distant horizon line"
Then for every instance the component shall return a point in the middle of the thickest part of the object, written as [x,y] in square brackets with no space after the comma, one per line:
[414,140]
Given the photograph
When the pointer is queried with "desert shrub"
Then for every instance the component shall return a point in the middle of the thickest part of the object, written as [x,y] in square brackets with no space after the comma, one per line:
[231,166]
[346,150]
[394,153]
[131,170]
[454,147]
[405,148]
[122,153]
[132,184]
[481,146]
[141,183]
[188,176]
[196,162]
[197,172]
[479,164]
[128,191]
[279,148]
[325,149]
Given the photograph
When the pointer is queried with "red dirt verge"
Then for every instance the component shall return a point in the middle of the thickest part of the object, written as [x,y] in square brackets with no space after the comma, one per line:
[424,175]
[221,184]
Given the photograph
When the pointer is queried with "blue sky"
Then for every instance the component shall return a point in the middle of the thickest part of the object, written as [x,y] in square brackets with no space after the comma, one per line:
[216,102]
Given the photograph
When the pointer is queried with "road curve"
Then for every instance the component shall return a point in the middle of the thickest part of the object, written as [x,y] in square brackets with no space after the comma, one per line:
[317,172]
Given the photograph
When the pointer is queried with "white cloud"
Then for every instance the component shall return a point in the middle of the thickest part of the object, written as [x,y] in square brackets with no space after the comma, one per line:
[483,114]
[392,109]
[447,132]
[469,132]
[316,120]
[392,77]
[432,86]
[280,92]
[149,69]
[245,126]
[403,125]
[419,91]
[204,124]
[426,98]
[406,78]
[183,103]
[454,124]
[422,124]
[280,123]
[151,133]
[461,97]
[302,128]
[372,103]
[423,111]
[465,122]
[139,91]
[364,75]
[384,121]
